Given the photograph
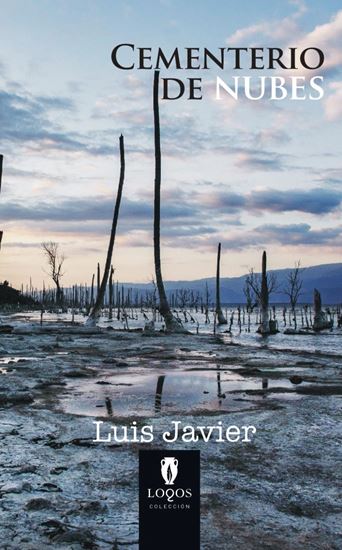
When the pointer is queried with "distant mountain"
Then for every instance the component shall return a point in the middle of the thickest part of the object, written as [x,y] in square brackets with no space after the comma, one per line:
[327,278]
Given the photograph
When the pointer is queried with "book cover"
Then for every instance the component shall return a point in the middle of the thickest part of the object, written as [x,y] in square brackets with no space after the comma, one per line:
[170,274]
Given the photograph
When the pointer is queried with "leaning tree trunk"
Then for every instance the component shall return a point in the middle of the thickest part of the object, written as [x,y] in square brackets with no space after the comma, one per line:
[96,310]
[171,323]
[221,320]
[92,292]
[264,327]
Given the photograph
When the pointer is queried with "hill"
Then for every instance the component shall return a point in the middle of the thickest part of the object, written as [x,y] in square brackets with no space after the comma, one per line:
[11,296]
[327,278]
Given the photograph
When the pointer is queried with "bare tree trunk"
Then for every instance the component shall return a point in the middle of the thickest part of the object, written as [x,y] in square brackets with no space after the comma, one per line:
[98,279]
[320,319]
[221,320]
[58,294]
[264,327]
[110,316]
[95,312]
[294,316]
[159,393]
[117,301]
[1,164]
[92,291]
[171,323]
[207,320]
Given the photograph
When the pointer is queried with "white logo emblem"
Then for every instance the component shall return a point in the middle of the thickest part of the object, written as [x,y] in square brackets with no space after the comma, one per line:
[169,469]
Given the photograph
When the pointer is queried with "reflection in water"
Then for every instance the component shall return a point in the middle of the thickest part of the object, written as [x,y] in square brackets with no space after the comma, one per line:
[160,386]
[145,394]
[159,391]
[220,395]
[109,406]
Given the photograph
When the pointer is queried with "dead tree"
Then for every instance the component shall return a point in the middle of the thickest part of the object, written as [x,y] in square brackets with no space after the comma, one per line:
[293,289]
[92,292]
[320,319]
[264,298]
[55,262]
[96,310]
[249,295]
[1,164]
[207,298]
[251,300]
[98,279]
[110,315]
[171,323]
[221,320]
[159,393]
[262,289]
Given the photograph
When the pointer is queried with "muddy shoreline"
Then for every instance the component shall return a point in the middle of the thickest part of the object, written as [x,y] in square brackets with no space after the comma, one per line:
[58,488]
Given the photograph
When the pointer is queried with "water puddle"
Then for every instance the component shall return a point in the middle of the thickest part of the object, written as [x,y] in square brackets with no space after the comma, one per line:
[148,394]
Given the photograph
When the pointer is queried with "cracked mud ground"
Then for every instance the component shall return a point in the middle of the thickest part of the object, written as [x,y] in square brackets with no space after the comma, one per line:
[59,489]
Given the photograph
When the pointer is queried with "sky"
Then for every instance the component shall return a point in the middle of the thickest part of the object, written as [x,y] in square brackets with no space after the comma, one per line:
[252,175]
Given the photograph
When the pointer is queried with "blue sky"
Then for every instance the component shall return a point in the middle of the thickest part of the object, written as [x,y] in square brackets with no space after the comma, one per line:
[252,175]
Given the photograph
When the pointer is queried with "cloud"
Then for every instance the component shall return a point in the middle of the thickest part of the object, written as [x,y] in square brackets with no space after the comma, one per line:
[34,174]
[262,236]
[286,235]
[181,135]
[277,29]
[186,210]
[332,176]
[226,201]
[181,219]
[299,234]
[257,160]
[333,102]
[327,37]
[3,69]
[272,135]
[26,120]
[135,213]
[195,221]
[20,244]
[313,201]
[45,103]
[126,117]
[70,209]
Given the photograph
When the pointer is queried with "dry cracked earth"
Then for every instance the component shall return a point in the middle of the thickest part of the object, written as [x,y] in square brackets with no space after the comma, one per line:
[59,489]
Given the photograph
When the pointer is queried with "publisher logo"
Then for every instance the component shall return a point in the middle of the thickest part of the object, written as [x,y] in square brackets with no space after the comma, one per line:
[169,500]
[169,469]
